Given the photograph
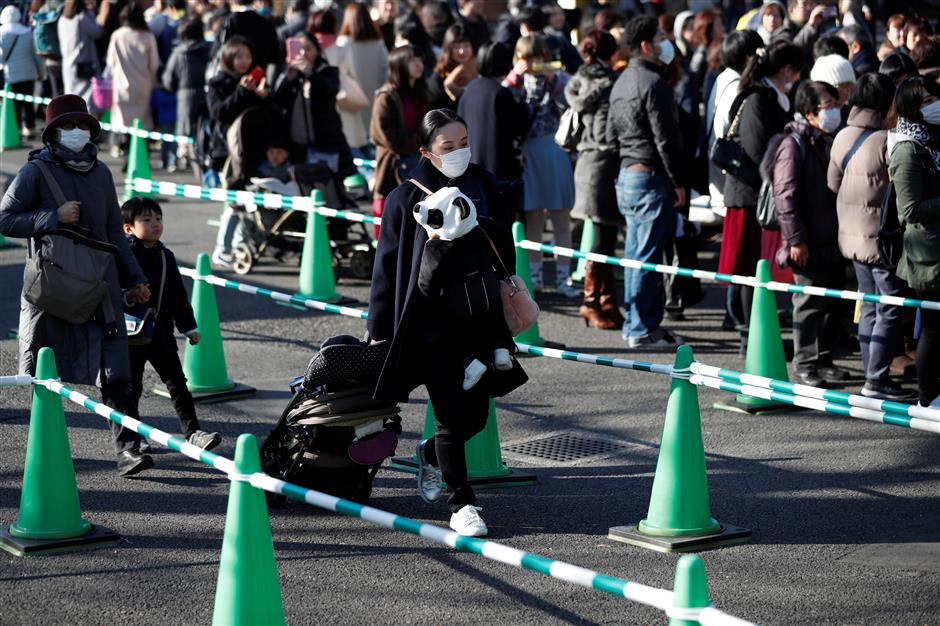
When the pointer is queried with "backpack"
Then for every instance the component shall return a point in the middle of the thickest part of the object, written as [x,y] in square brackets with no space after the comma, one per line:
[766,208]
[890,231]
[46,33]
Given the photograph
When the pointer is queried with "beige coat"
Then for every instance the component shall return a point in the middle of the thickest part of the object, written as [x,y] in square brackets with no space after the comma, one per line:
[133,59]
[861,188]
[367,62]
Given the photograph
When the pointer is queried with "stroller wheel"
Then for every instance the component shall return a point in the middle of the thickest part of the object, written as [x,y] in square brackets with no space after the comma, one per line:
[360,263]
[243,259]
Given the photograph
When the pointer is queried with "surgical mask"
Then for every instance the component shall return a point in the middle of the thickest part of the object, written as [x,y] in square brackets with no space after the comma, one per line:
[931,113]
[667,52]
[788,87]
[454,164]
[323,5]
[830,120]
[74,139]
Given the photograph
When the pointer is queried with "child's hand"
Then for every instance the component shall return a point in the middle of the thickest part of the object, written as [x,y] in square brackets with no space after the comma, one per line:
[139,294]
[194,338]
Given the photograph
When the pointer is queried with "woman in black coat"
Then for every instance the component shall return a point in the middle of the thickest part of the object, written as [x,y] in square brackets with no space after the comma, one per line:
[306,92]
[427,347]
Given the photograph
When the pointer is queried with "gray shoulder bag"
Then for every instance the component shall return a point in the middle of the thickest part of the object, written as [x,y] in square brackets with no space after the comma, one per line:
[65,273]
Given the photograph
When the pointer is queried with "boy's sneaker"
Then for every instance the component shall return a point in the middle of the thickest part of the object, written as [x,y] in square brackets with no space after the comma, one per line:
[657,339]
[887,390]
[502,360]
[429,477]
[472,374]
[204,440]
[467,522]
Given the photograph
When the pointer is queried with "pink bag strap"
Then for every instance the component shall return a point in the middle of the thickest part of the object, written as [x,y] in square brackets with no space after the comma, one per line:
[420,186]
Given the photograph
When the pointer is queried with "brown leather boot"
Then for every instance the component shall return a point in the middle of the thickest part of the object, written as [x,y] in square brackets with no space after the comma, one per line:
[607,289]
[591,305]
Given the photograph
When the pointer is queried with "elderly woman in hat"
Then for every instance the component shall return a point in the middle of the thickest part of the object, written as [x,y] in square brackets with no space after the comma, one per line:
[95,352]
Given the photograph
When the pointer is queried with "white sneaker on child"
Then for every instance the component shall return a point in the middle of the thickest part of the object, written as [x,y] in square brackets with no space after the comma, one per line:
[467,522]
[502,360]
[472,374]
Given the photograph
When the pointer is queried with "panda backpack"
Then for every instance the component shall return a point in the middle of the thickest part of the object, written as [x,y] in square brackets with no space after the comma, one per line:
[519,309]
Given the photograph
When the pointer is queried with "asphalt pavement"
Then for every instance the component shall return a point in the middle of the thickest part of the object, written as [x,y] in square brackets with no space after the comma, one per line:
[845,513]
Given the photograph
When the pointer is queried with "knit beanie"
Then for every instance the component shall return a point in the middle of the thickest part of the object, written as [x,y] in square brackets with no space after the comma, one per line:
[833,69]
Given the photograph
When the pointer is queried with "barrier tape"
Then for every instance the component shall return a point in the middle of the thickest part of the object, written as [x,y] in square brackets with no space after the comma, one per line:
[593,359]
[114,128]
[827,406]
[20,380]
[367,163]
[806,391]
[749,281]
[661,599]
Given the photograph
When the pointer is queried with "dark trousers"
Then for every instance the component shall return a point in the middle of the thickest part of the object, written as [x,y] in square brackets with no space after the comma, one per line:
[928,347]
[460,415]
[25,111]
[605,238]
[170,371]
[881,325]
[815,317]
[117,395]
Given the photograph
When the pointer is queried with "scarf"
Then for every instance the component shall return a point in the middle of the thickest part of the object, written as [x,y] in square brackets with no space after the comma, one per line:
[907,130]
[81,162]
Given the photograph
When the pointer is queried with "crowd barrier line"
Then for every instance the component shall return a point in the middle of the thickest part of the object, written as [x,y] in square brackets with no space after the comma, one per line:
[836,402]
[302,203]
[661,599]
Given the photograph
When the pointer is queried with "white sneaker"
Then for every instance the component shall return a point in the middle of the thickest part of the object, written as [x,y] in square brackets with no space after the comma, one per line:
[430,480]
[467,522]
[657,339]
[472,374]
[502,360]
[222,259]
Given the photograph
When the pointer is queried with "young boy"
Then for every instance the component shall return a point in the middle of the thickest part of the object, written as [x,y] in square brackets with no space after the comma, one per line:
[143,225]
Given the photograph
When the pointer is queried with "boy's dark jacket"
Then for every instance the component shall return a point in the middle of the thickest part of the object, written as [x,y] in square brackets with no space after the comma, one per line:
[175,304]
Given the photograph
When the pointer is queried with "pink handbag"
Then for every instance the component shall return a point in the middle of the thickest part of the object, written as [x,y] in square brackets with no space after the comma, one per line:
[519,309]
[101,92]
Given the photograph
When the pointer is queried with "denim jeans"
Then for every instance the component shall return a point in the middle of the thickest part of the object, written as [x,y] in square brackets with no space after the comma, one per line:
[880,327]
[231,231]
[646,202]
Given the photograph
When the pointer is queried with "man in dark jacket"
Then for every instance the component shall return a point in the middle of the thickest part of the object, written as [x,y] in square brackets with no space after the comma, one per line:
[861,49]
[259,31]
[644,124]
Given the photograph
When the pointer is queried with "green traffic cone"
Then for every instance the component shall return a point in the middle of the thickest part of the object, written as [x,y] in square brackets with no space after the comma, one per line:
[587,242]
[9,129]
[106,116]
[138,162]
[679,516]
[50,518]
[531,335]
[317,281]
[485,466]
[204,363]
[6,243]
[765,356]
[354,183]
[689,589]
[248,591]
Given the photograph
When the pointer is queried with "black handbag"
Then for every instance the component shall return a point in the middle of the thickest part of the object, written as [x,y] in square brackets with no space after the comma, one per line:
[730,156]
[890,231]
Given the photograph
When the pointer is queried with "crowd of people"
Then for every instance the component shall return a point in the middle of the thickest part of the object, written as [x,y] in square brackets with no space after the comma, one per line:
[809,126]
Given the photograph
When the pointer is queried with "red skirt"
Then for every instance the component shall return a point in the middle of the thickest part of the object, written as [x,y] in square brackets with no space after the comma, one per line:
[740,242]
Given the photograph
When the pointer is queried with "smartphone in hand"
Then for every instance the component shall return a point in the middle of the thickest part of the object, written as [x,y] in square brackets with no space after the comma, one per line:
[295,49]
[256,74]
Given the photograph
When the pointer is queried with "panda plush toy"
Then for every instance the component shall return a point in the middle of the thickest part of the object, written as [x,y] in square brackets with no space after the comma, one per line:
[458,276]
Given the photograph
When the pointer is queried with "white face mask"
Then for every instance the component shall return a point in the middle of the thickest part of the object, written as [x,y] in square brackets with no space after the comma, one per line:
[931,113]
[454,164]
[74,139]
[667,52]
[323,5]
[830,120]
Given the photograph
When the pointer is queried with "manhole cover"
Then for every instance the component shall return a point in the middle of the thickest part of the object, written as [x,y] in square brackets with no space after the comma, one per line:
[567,447]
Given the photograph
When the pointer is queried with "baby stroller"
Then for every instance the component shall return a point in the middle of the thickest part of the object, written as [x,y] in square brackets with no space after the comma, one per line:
[333,436]
[282,231]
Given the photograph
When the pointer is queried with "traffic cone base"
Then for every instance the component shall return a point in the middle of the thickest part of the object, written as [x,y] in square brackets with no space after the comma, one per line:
[679,516]
[98,537]
[485,467]
[210,396]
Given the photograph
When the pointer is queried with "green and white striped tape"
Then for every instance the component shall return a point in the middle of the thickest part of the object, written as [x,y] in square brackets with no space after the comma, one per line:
[19,380]
[661,599]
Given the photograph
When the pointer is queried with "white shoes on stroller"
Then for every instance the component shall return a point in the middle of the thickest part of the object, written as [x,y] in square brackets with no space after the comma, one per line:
[475,370]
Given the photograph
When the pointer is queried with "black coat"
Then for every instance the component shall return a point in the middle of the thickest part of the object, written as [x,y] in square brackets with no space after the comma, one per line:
[174,306]
[397,309]
[226,100]
[761,119]
[327,125]
[495,121]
